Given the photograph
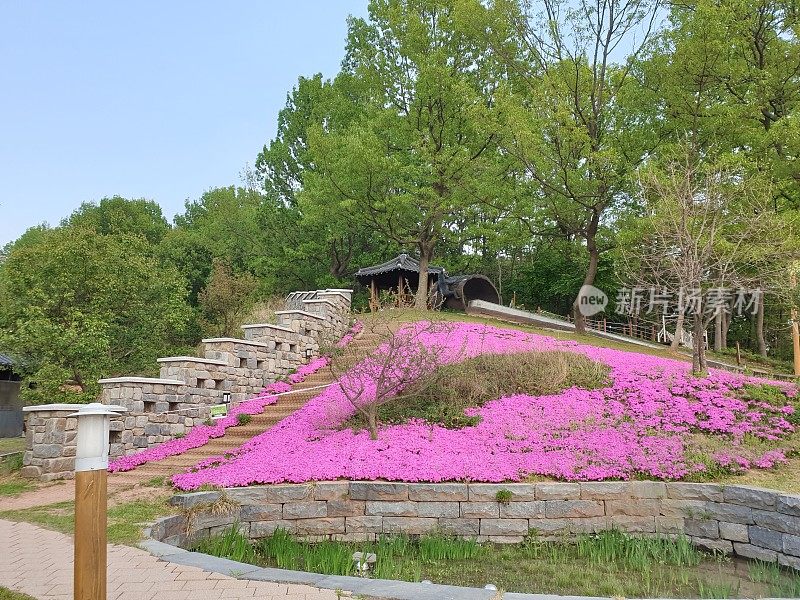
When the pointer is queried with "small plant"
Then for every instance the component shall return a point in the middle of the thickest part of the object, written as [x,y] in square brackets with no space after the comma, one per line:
[243,418]
[503,496]
[179,435]
[209,422]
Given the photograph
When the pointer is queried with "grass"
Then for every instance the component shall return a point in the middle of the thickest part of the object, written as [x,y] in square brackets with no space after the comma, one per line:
[125,520]
[11,484]
[7,594]
[443,396]
[15,444]
[611,563]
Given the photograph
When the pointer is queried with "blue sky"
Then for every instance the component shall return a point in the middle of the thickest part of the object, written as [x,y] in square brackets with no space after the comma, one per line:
[161,100]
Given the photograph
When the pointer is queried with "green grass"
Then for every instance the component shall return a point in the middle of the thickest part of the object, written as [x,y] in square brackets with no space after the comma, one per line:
[14,487]
[125,520]
[7,594]
[15,444]
[611,563]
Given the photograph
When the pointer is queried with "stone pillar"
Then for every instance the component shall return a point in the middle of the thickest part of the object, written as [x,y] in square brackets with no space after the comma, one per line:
[49,441]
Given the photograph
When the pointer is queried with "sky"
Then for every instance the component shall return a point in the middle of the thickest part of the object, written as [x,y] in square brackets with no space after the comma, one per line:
[146,99]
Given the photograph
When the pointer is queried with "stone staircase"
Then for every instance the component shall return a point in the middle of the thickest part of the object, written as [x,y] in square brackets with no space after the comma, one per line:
[236,436]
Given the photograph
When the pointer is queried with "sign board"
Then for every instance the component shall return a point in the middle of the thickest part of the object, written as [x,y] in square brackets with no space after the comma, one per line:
[219,411]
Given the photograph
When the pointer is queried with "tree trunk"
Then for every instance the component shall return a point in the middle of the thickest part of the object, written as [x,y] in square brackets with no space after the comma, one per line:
[591,274]
[372,422]
[698,346]
[425,255]
[676,340]
[726,325]
[762,344]
[718,331]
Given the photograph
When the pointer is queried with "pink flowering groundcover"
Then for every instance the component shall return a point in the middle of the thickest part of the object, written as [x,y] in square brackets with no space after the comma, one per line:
[641,425]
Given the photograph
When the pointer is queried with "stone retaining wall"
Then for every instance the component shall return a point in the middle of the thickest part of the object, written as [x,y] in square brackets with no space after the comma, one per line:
[749,522]
[160,409]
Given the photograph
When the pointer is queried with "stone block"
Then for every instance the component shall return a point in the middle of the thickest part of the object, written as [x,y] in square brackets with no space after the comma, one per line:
[353,537]
[271,493]
[391,509]
[692,509]
[694,491]
[438,509]
[704,528]
[766,538]
[152,429]
[586,525]
[364,524]
[438,492]
[331,490]
[322,526]
[791,562]
[47,450]
[505,539]
[604,490]
[504,527]
[558,491]
[346,508]
[730,513]
[669,525]
[460,527]
[480,510]
[777,521]
[487,492]
[261,512]
[409,525]
[754,552]
[735,532]
[633,524]
[262,529]
[750,496]
[721,546]
[648,489]
[305,510]
[791,544]
[635,507]
[372,490]
[556,509]
[522,510]
[788,504]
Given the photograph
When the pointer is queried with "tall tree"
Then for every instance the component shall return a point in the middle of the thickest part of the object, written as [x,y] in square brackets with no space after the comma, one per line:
[414,162]
[576,119]
[120,215]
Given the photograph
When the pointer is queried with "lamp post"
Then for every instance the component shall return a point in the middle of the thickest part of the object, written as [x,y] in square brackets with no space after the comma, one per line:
[91,464]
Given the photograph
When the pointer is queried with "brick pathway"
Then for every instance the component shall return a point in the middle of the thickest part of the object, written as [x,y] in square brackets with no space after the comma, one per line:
[38,562]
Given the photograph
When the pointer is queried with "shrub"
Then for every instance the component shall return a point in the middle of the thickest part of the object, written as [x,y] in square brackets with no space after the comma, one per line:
[503,496]
[243,418]
[442,396]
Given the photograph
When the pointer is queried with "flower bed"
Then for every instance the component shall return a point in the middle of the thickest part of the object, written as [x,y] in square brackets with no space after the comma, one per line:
[201,434]
[642,424]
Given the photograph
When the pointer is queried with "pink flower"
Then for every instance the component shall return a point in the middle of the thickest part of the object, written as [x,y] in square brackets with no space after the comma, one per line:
[641,424]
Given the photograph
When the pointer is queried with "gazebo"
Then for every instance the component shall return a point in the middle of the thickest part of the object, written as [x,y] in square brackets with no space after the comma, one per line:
[401,275]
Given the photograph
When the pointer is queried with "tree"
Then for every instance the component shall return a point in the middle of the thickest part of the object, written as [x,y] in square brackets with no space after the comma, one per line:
[78,305]
[416,160]
[119,215]
[576,120]
[406,355]
[704,225]
[226,299]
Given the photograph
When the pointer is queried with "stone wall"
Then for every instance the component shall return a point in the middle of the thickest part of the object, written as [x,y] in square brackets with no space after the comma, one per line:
[749,522]
[159,409]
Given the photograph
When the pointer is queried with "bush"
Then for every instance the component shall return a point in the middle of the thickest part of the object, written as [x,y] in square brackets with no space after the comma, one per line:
[243,418]
[442,396]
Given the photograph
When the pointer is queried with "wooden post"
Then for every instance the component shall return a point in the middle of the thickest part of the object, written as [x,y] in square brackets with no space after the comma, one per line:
[373,296]
[91,561]
[738,355]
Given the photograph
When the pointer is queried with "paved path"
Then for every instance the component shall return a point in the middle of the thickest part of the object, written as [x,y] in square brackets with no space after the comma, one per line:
[38,562]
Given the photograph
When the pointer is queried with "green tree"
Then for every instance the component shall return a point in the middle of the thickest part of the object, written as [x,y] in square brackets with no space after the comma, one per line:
[119,215]
[415,162]
[576,119]
[78,306]
[226,299]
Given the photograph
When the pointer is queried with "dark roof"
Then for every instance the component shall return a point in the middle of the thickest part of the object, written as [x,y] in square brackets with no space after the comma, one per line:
[5,361]
[402,262]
